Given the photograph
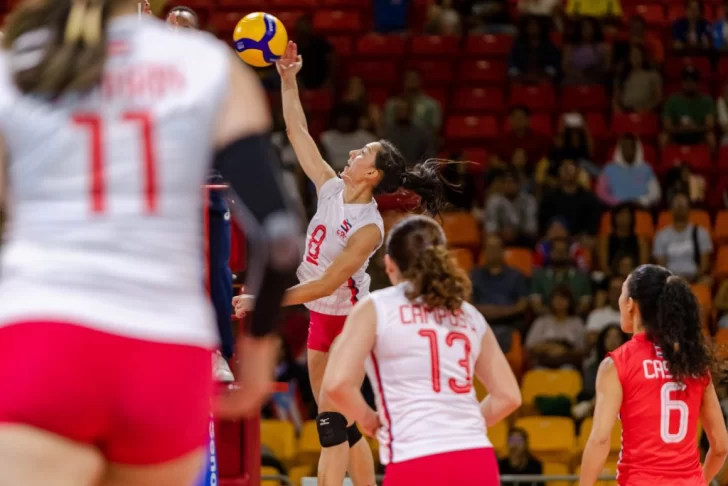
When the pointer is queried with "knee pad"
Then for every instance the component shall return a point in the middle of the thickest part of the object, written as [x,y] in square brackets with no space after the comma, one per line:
[331,429]
[353,435]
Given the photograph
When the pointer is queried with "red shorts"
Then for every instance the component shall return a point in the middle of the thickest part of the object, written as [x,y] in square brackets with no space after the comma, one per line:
[472,467]
[138,402]
[322,330]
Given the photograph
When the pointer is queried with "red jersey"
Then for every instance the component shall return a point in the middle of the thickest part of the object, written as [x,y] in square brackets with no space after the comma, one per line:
[659,419]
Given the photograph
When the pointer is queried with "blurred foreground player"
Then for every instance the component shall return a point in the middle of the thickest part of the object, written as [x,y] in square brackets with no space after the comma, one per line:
[659,383]
[422,342]
[109,124]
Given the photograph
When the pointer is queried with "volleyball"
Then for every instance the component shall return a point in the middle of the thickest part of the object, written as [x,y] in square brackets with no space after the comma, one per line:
[260,39]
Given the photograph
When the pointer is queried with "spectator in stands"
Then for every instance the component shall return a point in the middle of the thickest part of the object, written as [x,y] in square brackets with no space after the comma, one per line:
[512,213]
[692,32]
[558,230]
[610,338]
[443,18]
[720,304]
[586,56]
[415,143]
[557,339]
[689,116]
[683,248]
[318,53]
[427,113]
[629,178]
[345,135]
[637,36]
[624,265]
[573,142]
[522,136]
[560,271]
[722,108]
[488,16]
[369,113]
[500,293]
[542,8]
[638,87]
[607,314]
[534,58]
[602,9]
[682,179]
[520,461]
[622,240]
[720,30]
[577,205]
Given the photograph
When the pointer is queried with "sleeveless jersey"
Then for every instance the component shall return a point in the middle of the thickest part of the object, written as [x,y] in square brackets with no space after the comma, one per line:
[106,203]
[421,370]
[327,235]
[659,419]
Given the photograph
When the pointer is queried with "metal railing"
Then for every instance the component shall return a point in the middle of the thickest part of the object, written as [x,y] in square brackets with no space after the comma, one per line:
[277,477]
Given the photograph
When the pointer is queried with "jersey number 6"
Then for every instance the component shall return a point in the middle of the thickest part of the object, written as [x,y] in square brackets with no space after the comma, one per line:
[668,406]
[450,340]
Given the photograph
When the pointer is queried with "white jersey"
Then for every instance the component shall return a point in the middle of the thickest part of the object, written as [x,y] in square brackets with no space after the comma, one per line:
[328,233]
[421,370]
[105,226]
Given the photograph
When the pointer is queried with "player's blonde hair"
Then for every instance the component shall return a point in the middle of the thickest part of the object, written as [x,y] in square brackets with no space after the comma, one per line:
[58,46]
[417,245]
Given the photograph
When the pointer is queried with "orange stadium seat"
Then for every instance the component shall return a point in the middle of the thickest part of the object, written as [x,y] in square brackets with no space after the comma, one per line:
[340,21]
[520,258]
[378,45]
[309,446]
[437,71]
[435,45]
[698,157]
[704,295]
[720,229]
[297,473]
[280,437]
[498,436]
[375,72]
[536,97]
[550,383]
[489,45]
[615,443]
[698,217]
[720,270]
[461,229]
[584,98]
[468,127]
[486,71]
[464,258]
[552,439]
[479,100]
[269,471]
[642,125]
[556,469]
[515,354]
[643,225]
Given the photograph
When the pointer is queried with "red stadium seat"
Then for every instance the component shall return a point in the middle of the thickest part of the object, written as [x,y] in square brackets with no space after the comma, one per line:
[675,65]
[435,45]
[340,21]
[654,14]
[375,72]
[317,100]
[584,98]
[377,45]
[378,95]
[486,71]
[479,100]
[642,125]
[723,68]
[723,158]
[474,128]
[288,17]
[677,11]
[226,21]
[478,158]
[347,4]
[489,45]
[442,95]
[432,71]
[342,44]
[536,97]
[540,122]
[289,5]
[597,124]
[696,156]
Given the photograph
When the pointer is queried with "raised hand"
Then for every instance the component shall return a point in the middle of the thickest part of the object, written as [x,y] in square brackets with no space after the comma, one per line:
[290,62]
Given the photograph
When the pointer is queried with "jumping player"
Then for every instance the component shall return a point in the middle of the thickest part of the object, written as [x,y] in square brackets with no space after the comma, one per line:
[660,385]
[110,124]
[345,232]
[422,342]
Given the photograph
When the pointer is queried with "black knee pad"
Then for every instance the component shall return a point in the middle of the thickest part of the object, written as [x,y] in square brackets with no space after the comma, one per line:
[353,434]
[331,429]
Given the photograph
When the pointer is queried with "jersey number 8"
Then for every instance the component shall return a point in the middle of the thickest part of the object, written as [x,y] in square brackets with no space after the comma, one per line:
[667,407]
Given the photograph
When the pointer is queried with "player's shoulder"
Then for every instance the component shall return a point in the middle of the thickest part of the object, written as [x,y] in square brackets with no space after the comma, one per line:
[395,292]
[474,316]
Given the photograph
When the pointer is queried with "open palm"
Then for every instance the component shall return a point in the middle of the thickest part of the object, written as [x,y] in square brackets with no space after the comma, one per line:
[290,62]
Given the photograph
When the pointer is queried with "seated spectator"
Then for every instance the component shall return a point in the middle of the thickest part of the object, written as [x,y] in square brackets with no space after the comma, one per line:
[426,110]
[370,115]
[443,19]
[720,304]
[624,265]
[689,116]
[607,314]
[682,179]
[512,213]
[571,201]
[586,56]
[519,459]
[637,36]
[638,87]
[622,240]
[415,143]
[542,8]
[560,271]
[692,32]
[602,9]
[345,136]
[558,230]
[500,293]
[557,339]
[720,30]
[629,178]
[521,137]
[573,142]
[534,58]
[318,53]
[722,108]
[683,248]
[610,338]
[489,16]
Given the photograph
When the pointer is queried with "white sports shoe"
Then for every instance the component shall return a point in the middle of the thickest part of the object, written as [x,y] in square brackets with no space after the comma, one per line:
[220,369]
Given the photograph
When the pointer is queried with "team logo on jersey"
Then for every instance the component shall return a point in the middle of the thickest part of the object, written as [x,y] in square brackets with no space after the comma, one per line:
[344,229]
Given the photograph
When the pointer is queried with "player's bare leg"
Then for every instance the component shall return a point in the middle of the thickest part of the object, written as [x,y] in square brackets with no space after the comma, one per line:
[334,461]
[183,471]
[34,457]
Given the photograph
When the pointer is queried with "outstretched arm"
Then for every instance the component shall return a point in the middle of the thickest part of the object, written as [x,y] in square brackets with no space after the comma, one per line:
[307,153]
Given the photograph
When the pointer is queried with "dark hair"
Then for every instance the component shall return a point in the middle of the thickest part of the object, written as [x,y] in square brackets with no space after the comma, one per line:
[671,319]
[66,42]
[564,291]
[417,245]
[522,108]
[183,9]
[578,35]
[621,207]
[600,346]
[424,179]
[519,431]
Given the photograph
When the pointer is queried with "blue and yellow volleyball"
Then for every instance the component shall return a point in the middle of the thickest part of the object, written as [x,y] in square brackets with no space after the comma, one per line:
[260,39]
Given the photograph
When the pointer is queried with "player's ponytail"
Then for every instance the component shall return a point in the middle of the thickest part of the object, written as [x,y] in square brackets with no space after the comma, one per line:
[671,318]
[418,246]
[57,46]
[424,179]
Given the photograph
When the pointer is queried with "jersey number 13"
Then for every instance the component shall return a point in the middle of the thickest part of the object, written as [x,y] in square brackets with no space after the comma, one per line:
[450,340]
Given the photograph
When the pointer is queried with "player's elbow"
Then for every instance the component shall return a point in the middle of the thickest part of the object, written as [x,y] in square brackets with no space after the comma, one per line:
[512,399]
[332,390]
[720,446]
